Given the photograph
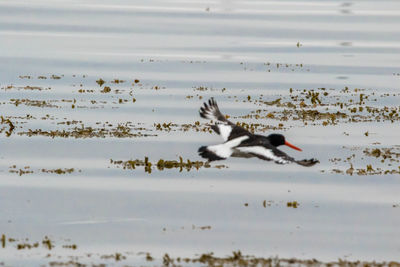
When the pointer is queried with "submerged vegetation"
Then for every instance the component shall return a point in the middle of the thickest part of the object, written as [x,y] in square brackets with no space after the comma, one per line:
[298,108]
[27,170]
[320,106]
[122,130]
[292,204]
[317,106]
[162,164]
[372,161]
[239,259]
[8,123]
[23,244]
[72,256]
[326,107]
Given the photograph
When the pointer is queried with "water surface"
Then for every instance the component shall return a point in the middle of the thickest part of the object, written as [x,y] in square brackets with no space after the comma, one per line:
[242,53]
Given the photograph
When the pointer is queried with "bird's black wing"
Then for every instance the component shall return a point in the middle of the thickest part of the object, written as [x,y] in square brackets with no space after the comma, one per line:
[267,152]
[222,126]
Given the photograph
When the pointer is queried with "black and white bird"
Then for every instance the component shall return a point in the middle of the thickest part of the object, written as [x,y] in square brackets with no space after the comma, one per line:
[238,142]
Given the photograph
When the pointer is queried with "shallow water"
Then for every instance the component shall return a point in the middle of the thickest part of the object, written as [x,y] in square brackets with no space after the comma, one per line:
[242,53]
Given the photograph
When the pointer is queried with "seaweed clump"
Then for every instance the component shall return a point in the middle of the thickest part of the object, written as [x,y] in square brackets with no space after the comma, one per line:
[28,170]
[238,259]
[384,158]
[10,125]
[293,204]
[122,130]
[162,164]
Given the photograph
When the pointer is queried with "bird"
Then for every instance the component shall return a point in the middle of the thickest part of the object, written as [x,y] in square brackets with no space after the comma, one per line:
[238,142]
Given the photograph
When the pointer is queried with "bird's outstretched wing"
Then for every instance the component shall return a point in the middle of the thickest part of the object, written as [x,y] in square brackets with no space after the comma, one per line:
[275,155]
[266,154]
[222,126]
[221,151]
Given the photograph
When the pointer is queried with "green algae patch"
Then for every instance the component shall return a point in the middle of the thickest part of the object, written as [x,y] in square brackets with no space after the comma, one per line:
[163,164]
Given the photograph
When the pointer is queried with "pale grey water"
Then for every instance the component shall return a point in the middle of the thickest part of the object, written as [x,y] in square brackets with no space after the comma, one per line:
[180,45]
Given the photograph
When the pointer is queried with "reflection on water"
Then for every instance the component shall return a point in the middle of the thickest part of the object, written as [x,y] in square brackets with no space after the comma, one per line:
[325,74]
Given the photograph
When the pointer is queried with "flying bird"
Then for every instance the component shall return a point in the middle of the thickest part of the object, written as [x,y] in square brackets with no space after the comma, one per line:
[238,142]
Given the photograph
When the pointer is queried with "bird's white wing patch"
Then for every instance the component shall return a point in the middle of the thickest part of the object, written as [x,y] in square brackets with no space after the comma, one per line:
[224,130]
[262,151]
[237,141]
[221,150]
[225,150]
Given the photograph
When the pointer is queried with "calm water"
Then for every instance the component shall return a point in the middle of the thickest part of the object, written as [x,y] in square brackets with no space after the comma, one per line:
[182,53]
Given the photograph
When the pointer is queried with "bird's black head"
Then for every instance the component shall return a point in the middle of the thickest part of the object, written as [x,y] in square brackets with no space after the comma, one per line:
[276,139]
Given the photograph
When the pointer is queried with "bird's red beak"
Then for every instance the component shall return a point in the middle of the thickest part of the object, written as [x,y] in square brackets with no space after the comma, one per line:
[292,146]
